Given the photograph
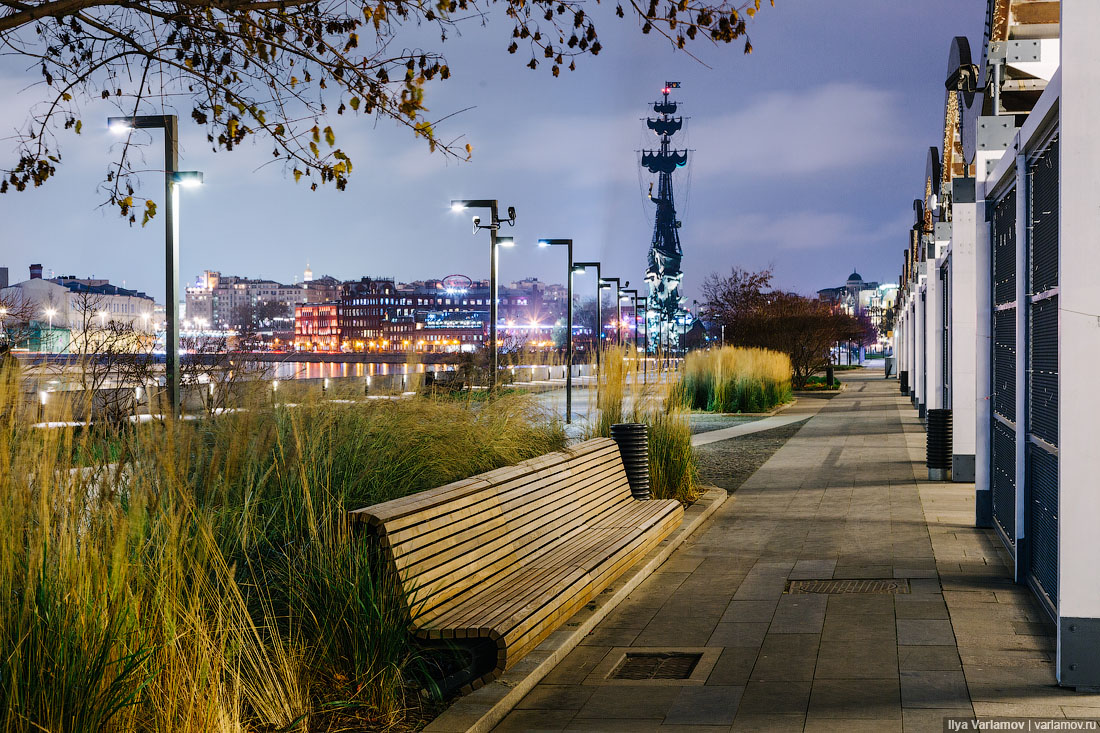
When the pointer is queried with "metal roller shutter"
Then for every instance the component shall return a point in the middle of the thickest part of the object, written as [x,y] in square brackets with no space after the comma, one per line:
[1004,363]
[1041,490]
[1043,368]
[1042,524]
[1004,480]
[1003,389]
[1004,249]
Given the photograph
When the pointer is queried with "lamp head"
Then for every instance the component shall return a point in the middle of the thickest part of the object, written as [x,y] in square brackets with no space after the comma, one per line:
[458,206]
[187,179]
[506,242]
[543,243]
[120,125]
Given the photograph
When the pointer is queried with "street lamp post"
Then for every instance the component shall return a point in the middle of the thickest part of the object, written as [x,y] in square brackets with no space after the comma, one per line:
[645,330]
[173,178]
[579,268]
[568,244]
[494,242]
[623,293]
[606,283]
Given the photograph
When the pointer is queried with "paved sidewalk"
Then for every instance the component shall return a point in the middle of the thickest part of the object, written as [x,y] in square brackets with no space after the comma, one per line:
[840,500]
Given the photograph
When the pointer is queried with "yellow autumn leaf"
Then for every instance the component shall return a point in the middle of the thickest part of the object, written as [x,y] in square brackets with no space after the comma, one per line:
[297,175]
[330,137]
[316,134]
[313,149]
[79,125]
[354,102]
[293,82]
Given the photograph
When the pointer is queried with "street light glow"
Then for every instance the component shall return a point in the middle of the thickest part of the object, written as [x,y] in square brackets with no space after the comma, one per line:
[458,207]
[119,125]
[506,241]
[187,179]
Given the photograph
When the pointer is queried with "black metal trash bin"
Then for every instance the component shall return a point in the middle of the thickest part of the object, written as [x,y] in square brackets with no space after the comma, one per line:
[903,381]
[633,440]
[938,453]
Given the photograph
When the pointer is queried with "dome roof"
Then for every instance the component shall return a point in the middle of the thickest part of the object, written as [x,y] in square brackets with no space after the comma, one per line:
[855,276]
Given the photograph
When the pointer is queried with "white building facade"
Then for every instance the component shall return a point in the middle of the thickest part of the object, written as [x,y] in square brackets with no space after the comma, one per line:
[999,315]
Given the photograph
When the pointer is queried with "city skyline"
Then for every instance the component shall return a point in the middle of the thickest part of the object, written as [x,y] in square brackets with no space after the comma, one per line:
[793,164]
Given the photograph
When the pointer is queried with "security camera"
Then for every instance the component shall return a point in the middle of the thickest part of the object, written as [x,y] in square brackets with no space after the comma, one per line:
[477,223]
[512,214]
[626,284]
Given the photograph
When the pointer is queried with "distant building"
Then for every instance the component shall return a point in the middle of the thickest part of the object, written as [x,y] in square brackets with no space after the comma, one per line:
[229,302]
[317,327]
[70,310]
[859,297]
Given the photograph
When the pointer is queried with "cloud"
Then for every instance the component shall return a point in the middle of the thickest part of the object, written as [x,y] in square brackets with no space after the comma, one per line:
[802,231]
[833,128]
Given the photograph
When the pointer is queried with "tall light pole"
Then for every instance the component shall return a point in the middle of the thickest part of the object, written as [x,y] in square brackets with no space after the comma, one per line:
[494,242]
[173,179]
[606,283]
[568,244]
[645,329]
[623,293]
[579,268]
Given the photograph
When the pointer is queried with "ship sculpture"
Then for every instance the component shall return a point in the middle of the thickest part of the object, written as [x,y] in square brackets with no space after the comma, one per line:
[666,318]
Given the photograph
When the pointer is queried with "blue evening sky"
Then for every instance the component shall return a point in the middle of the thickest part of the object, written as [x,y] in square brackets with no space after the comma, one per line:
[808,154]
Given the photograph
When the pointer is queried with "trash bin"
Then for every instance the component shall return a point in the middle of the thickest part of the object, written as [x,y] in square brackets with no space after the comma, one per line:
[633,440]
[938,451]
[889,361]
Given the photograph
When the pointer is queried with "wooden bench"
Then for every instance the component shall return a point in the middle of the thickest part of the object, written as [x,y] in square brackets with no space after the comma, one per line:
[512,554]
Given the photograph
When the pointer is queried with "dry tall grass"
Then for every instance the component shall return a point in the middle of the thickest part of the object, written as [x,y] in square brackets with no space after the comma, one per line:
[209,580]
[733,379]
[624,396]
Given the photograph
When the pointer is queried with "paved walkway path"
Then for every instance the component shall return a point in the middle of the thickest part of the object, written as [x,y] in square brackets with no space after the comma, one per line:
[841,500]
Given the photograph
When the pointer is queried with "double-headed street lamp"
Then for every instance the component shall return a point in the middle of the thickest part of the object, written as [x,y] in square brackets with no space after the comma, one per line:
[173,179]
[568,244]
[579,268]
[494,242]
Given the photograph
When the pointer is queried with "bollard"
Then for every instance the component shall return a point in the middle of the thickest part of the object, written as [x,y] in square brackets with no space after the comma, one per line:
[903,381]
[633,440]
[829,376]
[938,451]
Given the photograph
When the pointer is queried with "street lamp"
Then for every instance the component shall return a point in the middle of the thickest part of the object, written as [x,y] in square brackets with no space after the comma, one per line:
[579,269]
[459,205]
[568,244]
[623,293]
[50,313]
[645,329]
[606,283]
[173,179]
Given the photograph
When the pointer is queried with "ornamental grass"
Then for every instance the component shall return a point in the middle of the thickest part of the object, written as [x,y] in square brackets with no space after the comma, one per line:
[624,395]
[207,578]
[733,379]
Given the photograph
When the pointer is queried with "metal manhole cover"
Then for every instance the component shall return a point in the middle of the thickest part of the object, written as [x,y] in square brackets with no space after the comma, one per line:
[863,585]
[662,666]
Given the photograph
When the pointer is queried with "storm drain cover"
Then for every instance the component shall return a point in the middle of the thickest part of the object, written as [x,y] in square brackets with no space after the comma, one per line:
[861,585]
[661,666]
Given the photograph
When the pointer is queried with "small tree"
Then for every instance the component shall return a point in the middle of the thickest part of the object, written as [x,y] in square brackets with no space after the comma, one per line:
[800,327]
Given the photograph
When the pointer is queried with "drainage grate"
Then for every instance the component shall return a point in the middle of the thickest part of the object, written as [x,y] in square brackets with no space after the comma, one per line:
[661,666]
[885,585]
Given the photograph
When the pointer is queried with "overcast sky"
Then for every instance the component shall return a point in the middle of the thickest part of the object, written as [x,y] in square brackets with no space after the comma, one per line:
[808,155]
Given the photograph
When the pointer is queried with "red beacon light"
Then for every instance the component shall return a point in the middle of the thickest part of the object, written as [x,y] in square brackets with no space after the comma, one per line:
[665,90]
